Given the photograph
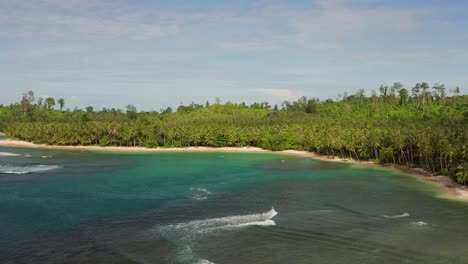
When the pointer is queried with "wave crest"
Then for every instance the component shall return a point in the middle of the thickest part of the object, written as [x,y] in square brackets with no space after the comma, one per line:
[203,261]
[185,233]
[6,169]
[8,154]
[209,225]
[397,216]
[419,223]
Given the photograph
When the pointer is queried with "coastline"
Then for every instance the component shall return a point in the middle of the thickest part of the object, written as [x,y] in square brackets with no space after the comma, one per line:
[454,190]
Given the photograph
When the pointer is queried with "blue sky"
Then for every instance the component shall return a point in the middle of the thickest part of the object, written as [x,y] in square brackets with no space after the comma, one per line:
[158,53]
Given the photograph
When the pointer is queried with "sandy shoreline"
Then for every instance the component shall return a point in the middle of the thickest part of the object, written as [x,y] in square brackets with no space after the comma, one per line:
[454,189]
[2,134]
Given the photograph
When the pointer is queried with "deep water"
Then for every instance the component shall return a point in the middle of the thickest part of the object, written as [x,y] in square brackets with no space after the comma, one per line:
[90,207]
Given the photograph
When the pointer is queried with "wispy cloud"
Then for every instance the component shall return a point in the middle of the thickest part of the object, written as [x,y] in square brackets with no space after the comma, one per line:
[321,25]
[247,46]
[101,19]
[153,52]
[330,23]
[79,18]
[409,55]
[277,94]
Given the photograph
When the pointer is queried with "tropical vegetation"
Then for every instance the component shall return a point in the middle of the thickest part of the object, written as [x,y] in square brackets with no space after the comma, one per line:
[419,127]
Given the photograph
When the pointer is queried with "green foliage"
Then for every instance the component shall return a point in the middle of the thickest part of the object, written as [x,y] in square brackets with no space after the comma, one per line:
[50,102]
[61,102]
[425,129]
[462,174]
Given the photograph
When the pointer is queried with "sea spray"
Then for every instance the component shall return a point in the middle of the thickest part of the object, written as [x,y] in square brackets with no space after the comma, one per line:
[186,255]
[209,225]
[184,234]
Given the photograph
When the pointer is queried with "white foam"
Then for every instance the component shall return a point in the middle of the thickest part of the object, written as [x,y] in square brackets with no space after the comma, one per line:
[45,157]
[203,261]
[199,197]
[223,223]
[6,169]
[419,223]
[186,255]
[198,193]
[204,190]
[185,233]
[268,222]
[397,216]
[8,154]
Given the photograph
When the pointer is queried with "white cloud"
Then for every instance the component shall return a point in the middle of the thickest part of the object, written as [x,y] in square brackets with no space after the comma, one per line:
[275,94]
[328,25]
[62,18]
[98,19]
[320,25]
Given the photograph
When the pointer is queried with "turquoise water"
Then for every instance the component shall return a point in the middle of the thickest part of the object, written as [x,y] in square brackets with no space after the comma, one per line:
[89,207]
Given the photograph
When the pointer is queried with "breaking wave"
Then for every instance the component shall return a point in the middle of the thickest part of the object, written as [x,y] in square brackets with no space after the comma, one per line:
[6,169]
[210,225]
[184,234]
[204,190]
[186,255]
[8,154]
[397,216]
[419,223]
[201,193]
[199,197]
[203,261]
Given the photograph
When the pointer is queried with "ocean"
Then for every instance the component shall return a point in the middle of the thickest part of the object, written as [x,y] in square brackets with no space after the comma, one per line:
[61,206]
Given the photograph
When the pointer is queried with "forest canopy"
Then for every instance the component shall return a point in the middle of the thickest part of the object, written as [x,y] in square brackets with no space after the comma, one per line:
[422,126]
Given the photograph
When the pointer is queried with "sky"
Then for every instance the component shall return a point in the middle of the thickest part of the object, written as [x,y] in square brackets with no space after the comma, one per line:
[154,54]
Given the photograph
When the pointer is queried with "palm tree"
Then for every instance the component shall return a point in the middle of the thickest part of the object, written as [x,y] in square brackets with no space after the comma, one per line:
[50,102]
[439,92]
[403,94]
[61,102]
[25,104]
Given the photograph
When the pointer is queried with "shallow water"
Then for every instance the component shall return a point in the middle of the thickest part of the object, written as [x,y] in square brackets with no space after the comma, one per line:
[87,207]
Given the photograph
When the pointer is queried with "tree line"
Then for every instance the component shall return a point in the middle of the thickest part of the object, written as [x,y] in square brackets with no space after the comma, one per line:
[418,127]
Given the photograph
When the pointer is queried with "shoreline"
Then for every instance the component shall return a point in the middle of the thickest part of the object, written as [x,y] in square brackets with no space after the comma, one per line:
[2,134]
[454,189]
